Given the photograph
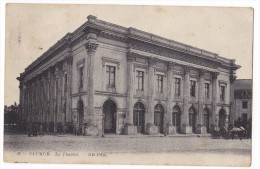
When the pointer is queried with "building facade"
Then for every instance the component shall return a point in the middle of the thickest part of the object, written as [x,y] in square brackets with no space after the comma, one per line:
[107,78]
[243,101]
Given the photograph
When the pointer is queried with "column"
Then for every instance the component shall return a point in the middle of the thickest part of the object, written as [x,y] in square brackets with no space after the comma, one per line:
[214,119]
[232,99]
[129,127]
[48,99]
[69,81]
[200,128]
[186,129]
[150,127]
[170,129]
[91,129]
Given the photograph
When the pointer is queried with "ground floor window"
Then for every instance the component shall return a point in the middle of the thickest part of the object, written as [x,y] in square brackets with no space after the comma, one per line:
[139,113]
[158,117]
[176,118]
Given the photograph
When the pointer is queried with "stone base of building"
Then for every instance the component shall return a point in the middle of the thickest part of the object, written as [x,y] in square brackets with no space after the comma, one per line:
[91,131]
[130,129]
[186,129]
[151,129]
[170,130]
[201,130]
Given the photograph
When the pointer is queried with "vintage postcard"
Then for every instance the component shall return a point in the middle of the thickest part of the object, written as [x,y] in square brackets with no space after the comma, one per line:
[124,84]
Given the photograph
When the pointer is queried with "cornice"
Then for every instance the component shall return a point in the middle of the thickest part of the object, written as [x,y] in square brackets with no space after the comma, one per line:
[136,39]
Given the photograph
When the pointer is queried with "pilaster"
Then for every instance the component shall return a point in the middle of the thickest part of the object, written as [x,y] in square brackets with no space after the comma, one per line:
[129,127]
[170,129]
[200,128]
[185,128]
[150,127]
[91,47]
[214,98]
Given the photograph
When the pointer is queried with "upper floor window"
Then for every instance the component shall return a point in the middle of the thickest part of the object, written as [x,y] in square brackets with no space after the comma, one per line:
[81,78]
[140,80]
[244,93]
[193,88]
[159,83]
[111,72]
[222,93]
[244,104]
[177,90]
[206,91]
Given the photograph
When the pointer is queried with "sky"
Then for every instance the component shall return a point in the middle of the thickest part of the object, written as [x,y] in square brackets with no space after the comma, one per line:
[31,29]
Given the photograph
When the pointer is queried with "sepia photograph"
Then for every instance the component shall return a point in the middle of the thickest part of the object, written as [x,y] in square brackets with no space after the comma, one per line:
[128,84]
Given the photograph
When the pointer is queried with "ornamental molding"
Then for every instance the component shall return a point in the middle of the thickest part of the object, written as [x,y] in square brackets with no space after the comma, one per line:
[140,65]
[91,47]
[131,56]
[113,36]
[171,53]
[214,75]
[110,60]
[222,82]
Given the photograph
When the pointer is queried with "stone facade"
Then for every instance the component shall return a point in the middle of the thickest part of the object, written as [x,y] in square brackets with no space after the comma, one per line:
[112,79]
[243,100]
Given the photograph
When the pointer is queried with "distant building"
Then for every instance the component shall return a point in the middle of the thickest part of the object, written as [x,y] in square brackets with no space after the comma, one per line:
[105,77]
[11,114]
[243,100]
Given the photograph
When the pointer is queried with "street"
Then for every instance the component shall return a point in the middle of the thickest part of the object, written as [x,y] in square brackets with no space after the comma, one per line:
[115,144]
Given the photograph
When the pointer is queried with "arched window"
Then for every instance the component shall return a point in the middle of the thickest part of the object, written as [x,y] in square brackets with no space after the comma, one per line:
[139,112]
[192,119]
[176,118]
[206,118]
[222,117]
[158,117]
[80,112]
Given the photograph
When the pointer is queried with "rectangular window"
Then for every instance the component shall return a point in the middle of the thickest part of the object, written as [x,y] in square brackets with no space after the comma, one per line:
[177,86]
[111,72]
[206,91]
[244,117]
[192,88]
[81,78]
[159,80]
[65,83]
[140,80]
[244,104]
[222,93]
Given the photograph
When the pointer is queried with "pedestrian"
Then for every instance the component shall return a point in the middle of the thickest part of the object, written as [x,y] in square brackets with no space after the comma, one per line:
[76,129]
[29,129]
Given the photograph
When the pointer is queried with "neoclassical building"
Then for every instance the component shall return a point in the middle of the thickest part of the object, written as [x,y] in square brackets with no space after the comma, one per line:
[108,78]
[243,100]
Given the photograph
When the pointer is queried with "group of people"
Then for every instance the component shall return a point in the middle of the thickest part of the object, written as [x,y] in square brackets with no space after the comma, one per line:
[34,129]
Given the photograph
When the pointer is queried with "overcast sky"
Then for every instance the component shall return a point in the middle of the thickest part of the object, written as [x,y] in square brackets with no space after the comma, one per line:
[33,29]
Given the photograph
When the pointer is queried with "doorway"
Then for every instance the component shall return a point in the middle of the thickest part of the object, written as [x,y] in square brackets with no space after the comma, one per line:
[109,110]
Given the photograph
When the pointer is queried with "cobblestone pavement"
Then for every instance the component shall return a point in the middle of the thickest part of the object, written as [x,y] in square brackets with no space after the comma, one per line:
[125,144]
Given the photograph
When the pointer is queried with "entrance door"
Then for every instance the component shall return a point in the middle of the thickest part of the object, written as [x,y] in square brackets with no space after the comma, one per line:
[222,118]
[80,112]
[192,119]
[176,118]
[206,119]
[139,112]
[158,117]
[109,110]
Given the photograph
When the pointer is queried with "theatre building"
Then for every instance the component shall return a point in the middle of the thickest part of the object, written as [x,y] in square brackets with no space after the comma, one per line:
[108,78]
